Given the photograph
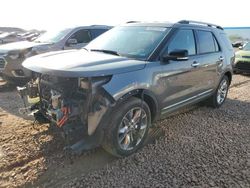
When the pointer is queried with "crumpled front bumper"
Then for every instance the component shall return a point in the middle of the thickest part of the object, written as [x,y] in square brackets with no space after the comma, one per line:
[80,116]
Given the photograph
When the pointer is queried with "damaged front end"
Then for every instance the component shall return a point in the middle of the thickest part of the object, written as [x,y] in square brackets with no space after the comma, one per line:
[76,105]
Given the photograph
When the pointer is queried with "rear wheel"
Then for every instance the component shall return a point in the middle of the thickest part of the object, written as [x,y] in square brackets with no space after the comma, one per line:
[220,95]
[128,127]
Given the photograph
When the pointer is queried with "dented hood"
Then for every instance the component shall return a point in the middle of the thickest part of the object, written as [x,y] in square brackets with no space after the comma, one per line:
[81,63]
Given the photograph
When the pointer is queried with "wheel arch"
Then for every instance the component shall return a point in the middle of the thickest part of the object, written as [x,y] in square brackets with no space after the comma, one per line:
[148,97]
[229,75]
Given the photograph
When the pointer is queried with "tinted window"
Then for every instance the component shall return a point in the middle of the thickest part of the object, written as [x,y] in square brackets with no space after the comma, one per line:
[183,40]
[96,32]
[207,42]
[82,36]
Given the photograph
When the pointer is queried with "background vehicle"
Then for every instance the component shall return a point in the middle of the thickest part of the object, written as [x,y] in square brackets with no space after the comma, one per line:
[8,37]
[237,44]
[12,55]
[242,59]
[110,92]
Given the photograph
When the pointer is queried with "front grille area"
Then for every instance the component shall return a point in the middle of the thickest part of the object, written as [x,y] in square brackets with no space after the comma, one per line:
[243,65]
[247,57]
[2,63]
[66,86]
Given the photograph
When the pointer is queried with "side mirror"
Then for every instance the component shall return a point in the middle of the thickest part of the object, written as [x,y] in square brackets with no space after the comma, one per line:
[240,47]
[176,55]
[71,42]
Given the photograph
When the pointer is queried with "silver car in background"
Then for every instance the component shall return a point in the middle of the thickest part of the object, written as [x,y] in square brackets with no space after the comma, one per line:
[13,54]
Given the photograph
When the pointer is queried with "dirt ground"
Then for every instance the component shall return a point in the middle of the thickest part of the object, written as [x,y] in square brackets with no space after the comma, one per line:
[198,146]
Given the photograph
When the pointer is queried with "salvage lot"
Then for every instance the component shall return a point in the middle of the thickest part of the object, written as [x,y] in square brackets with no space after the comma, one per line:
[199,146]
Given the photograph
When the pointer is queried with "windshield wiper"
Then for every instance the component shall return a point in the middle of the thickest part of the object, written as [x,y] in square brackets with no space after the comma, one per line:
[106,51]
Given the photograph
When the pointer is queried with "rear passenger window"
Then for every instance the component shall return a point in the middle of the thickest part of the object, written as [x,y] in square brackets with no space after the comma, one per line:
[207,42]
[183,40]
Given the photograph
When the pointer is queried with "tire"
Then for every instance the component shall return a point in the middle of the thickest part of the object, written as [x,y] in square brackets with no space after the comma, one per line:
[220,95]
[122,137]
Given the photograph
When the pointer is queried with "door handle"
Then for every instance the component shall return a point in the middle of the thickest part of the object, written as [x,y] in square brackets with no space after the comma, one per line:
[221,58]
[220,62]
[195,64]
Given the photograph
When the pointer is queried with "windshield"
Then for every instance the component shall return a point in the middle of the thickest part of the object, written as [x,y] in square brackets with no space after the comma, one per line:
[53,36]
[131,41]
[247,47]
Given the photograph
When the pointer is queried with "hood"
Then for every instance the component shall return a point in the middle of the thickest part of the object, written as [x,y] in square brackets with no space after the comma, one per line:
[243,53]
[81,63]
[19,46]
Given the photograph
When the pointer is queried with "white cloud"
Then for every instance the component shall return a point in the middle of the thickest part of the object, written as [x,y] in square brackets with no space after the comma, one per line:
[43,14]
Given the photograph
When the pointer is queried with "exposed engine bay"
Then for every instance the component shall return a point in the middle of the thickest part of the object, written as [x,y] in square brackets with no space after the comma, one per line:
[76,105]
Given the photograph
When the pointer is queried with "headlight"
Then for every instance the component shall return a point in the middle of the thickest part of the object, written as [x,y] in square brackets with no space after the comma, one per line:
[83,83]
[27,53]
[237,56]
[86,83]
[14,55]
[20,54]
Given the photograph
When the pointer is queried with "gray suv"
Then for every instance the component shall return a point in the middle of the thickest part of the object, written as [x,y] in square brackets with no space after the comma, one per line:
[13,54]
[110,92]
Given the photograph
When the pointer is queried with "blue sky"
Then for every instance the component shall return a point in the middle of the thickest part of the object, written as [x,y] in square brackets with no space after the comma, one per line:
[50,14]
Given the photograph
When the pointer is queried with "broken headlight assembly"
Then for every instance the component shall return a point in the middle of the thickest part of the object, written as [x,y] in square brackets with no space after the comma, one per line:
[83,83]
[92,83]
[14,55]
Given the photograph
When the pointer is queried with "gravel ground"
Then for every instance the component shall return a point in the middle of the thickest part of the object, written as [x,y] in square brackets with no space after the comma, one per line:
[199,147]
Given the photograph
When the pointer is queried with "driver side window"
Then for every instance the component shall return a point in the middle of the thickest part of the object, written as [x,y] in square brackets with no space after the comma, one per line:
[81,36]
[183,40]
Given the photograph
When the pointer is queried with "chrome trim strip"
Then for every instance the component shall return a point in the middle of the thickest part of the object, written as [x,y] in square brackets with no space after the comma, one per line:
[178,103]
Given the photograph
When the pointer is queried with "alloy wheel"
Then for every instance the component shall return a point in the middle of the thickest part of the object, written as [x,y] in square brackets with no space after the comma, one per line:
[132,128]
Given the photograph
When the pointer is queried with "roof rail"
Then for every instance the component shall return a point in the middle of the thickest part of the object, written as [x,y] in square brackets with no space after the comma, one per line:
[132,22]
[200,23]
[99,26]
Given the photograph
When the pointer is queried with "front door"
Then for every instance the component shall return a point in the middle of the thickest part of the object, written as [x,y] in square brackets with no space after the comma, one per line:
[180,79]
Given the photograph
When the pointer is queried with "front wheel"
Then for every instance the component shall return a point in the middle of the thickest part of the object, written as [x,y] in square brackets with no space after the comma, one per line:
[220,95]
[127,128]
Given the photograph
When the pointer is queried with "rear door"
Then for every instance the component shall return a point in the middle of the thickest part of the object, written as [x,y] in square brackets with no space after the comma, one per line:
[210,59]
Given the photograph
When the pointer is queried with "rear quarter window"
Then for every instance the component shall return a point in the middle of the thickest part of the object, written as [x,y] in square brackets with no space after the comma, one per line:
[226,41]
